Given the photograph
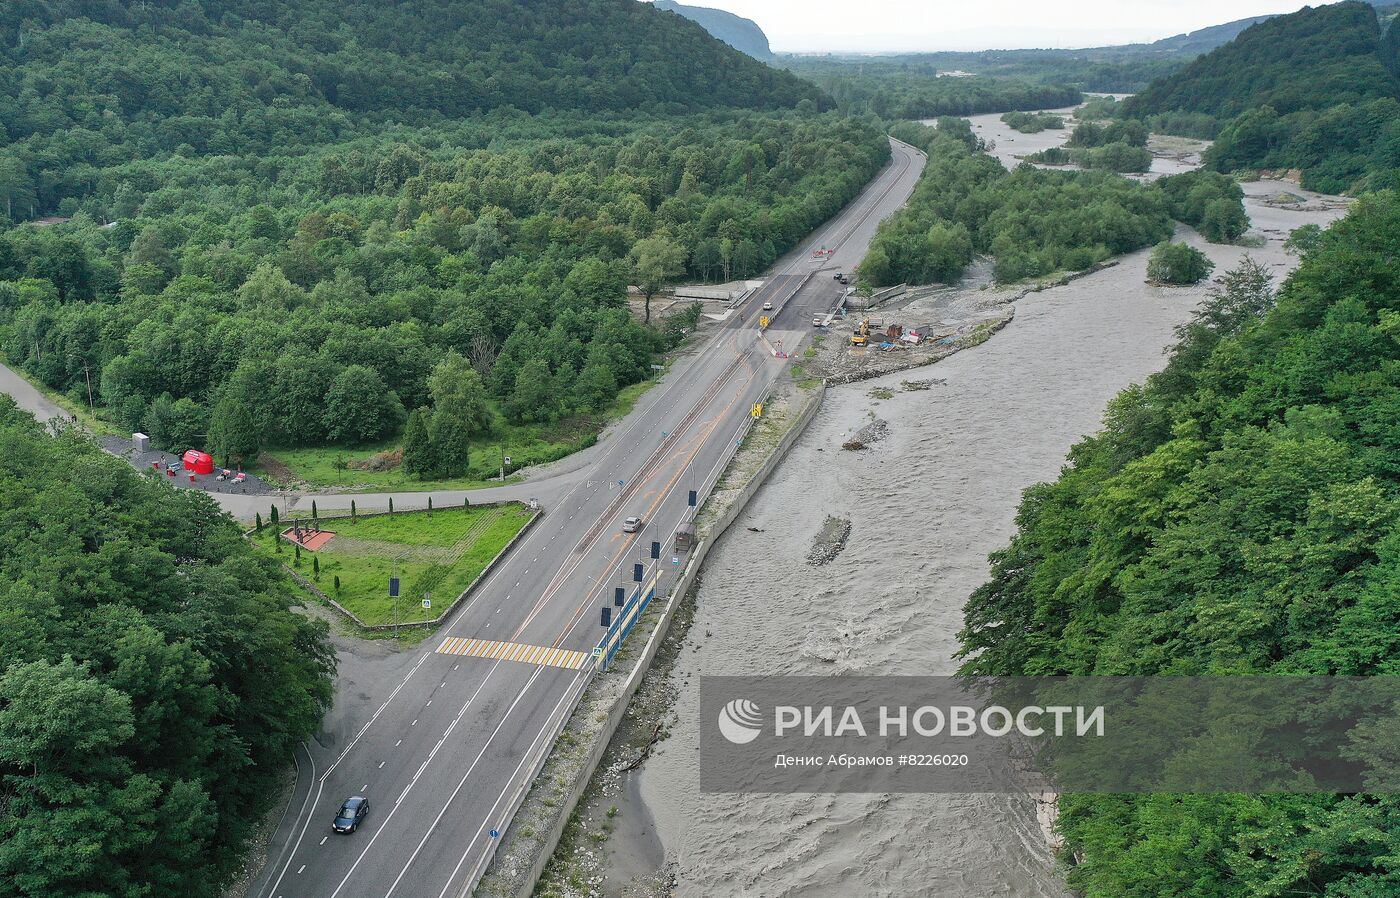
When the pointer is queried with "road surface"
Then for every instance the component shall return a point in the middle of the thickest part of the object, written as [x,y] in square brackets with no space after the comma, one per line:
[444,739]
[28,398]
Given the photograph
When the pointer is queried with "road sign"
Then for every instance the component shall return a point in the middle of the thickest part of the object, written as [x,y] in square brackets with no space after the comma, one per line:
[675,559]
[393,587]
[597,651]
[507,459]
[657,367]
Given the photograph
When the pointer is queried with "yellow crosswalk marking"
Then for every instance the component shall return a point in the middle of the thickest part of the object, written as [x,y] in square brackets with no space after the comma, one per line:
[544,655]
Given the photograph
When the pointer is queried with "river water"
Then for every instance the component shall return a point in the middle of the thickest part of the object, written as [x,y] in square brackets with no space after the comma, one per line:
[927,504]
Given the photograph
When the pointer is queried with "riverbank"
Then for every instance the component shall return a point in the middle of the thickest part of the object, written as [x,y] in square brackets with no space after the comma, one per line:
[964,439]
[610,719]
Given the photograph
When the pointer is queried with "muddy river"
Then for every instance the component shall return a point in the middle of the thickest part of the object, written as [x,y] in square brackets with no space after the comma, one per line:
[926,503]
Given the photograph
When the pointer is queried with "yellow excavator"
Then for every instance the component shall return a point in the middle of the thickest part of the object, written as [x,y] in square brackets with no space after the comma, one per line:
[861,335]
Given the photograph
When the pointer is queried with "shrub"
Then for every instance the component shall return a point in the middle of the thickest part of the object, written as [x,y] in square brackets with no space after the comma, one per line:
[1178,264]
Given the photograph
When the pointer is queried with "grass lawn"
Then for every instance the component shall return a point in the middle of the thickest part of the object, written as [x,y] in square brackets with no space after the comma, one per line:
[439,553]
[331,466]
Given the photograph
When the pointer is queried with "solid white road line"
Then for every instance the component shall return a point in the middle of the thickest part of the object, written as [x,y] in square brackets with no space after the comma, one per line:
[453,797]
[542,741]
[307,802]
[398,804]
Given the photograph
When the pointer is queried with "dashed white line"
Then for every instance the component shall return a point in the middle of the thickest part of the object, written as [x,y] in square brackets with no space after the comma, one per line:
[301,868]
[397,744]
[323,840]
[414,724]
[381,765]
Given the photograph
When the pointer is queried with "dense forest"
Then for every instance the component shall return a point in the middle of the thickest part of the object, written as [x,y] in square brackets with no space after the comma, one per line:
[914,89]
[1239,514]
[1316,90]
[282,234]
[1104,69]
[153,684]
[1031,221]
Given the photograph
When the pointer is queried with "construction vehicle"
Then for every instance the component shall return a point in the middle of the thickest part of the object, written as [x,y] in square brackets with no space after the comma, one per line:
[861,335]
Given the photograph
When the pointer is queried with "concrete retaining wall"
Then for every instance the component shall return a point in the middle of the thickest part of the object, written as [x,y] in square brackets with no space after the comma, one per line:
[694,563]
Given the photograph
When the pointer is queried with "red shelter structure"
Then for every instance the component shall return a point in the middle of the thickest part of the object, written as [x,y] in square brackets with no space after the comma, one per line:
[198,462]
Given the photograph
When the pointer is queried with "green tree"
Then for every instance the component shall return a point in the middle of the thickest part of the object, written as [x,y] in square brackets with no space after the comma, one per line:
[458,391]
[656,262]
[1303,239]
[451,443]
[535,398]
[1224,221]
[235,434]
[419,458]
[1178,263]
[595,387]
[360,407]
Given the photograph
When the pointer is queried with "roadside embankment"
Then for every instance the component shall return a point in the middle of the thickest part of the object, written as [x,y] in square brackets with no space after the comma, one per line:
[608,729]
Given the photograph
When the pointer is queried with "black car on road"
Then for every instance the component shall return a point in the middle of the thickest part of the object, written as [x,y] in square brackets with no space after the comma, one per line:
[351,813]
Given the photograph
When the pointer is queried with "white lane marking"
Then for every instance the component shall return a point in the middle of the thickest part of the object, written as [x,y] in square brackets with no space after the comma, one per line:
[397,744]
[365,787]
[381,765]
[540,741]
[414,724]
[385,825]
[306,803]
[301,868]
[323,840]
[453,797]
[430,702]
[365,728]
[442,685]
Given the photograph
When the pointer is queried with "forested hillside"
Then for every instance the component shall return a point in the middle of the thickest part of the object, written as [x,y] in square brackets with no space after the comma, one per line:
[153,682]
[1311,59]
[1239,514]
[287,217]
[1316,90]
[86,84]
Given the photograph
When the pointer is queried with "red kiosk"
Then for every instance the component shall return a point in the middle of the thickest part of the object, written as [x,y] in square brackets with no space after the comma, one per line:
[198,462]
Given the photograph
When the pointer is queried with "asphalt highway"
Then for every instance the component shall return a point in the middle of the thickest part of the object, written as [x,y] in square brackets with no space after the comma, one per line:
[443,739]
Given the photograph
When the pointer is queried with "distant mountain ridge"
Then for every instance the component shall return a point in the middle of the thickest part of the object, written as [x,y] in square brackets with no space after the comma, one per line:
[1203,40]
[738,32]
[1310,59]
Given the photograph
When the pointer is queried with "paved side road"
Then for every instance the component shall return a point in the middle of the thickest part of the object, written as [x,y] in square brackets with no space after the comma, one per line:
[28,398]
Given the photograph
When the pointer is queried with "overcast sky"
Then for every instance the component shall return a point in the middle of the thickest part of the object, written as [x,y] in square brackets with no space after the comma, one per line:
[882,25]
